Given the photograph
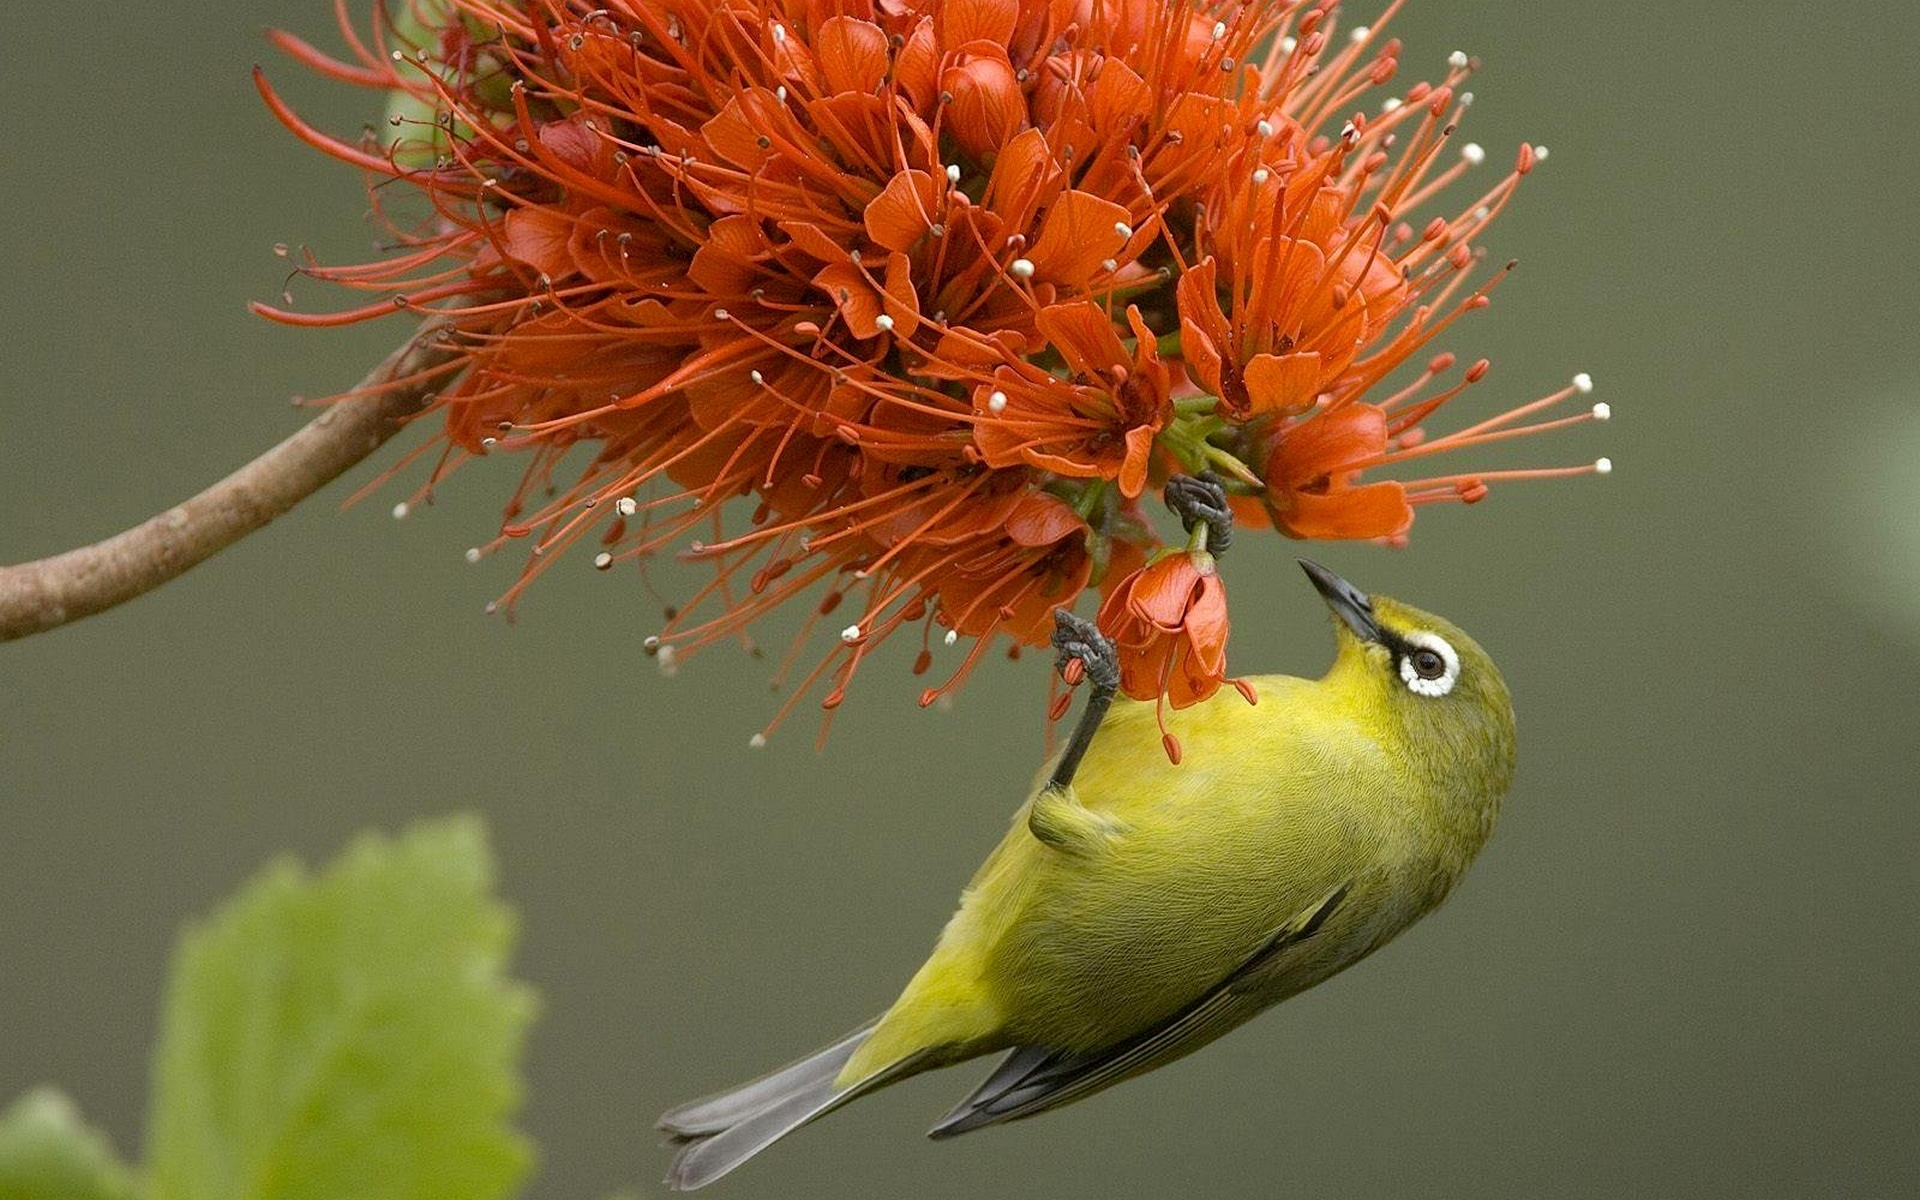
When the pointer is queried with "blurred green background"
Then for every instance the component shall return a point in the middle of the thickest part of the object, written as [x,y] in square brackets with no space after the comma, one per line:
[1686,966]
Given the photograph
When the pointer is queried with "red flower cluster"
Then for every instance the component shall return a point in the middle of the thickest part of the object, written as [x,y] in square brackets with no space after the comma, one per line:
[937,288]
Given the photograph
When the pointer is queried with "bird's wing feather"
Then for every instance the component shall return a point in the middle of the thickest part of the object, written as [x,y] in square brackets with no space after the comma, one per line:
[1034,1079]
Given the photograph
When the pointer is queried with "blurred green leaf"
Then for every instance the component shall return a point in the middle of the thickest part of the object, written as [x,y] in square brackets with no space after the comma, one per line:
[48,1153]
[348,1036]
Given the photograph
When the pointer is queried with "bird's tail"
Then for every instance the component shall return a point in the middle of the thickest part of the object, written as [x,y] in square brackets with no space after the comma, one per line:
[720,1132]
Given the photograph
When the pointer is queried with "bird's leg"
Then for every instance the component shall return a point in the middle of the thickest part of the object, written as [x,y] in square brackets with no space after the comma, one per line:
[1202,500]
[1080,640]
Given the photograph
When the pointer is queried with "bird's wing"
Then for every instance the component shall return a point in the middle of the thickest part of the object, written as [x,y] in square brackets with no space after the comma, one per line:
[1034,1079]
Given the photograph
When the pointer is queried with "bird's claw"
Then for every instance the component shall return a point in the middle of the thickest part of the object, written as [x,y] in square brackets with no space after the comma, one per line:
[1080,640]
[1202,499]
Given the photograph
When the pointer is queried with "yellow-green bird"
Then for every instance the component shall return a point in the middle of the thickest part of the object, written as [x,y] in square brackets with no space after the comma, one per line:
[1137,910]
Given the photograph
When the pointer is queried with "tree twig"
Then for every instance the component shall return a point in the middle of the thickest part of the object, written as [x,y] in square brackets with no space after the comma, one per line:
[46,594]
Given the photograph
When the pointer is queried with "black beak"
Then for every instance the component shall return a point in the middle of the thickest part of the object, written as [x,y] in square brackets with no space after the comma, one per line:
[1343,598]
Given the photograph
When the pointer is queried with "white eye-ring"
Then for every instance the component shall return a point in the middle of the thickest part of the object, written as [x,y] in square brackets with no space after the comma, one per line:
[1429,667]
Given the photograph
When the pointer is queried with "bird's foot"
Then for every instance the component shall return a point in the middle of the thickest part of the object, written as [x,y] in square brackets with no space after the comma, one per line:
[1085,651]
[1079,640]
[1202,499]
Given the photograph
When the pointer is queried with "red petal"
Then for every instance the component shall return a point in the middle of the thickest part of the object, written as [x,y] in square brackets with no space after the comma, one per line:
[1080,231]
[1146,346]
[901,301]
[1039,519]
[1025,178]
[723,265]
[1298,295]
[1133,471]
[1282,384]
[1204,333]
[540,238]
[813,240]
[1207,625]
[1118,97]
[1083,334]
[859,304]
[852,54]
[961,21]
[1376,510]
[735,131]
[903,211]
[1161,593]
[988,107]
[580,147]
[1310,449]
[916,69]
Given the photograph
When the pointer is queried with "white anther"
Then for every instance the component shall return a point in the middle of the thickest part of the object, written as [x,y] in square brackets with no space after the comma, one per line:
[1289,44]
[1262,175]
[1583,383]
[473,554]
[779,33]
[756,376]
[953,172]
[489,443]
[668,666]
[1602,466]
[721,314]
[1109,265]
[1465,100]
[401,510]
[997,403]
[850,634]
[626,506]
[1540,154]
[1474,153]
[883,323]
[1219,30]
[1458,60]
[1391,104]
[1482,213]
[953,635]
[1264,128]
[1349,133]
[1021,268]
[757,742]
[1360,34]
[602,561]
[1123,229]
[650,645]
[780,93]
[1603,411]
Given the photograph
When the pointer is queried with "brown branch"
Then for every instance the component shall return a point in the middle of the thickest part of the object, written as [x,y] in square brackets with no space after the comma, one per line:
[43,595]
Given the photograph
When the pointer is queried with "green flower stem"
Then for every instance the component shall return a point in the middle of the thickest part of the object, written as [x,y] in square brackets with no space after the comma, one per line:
[1230,466]
[1092,498]
[1197,538]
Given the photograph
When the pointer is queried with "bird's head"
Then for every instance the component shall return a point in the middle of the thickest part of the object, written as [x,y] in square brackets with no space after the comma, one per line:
[1417,676]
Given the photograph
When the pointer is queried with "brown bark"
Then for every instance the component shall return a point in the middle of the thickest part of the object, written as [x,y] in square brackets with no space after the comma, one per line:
[46,594]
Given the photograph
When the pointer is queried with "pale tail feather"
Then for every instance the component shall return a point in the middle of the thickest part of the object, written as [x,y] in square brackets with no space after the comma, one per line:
[724,1131]
[712,1114]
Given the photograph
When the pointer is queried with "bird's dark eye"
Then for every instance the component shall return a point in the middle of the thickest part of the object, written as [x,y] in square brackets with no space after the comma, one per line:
[1428,664]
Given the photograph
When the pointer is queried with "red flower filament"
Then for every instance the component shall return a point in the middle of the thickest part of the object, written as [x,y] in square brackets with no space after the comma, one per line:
[936,291]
